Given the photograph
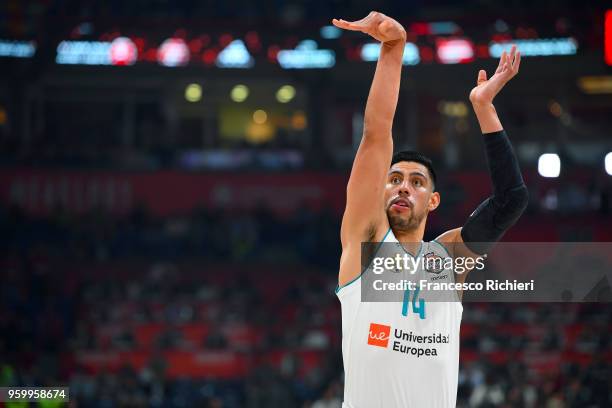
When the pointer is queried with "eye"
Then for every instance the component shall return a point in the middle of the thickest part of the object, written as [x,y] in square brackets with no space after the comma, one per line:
[395,180]
[417,182]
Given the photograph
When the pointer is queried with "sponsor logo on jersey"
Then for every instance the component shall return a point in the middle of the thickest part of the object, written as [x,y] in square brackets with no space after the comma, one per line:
[433,263]
[379,335]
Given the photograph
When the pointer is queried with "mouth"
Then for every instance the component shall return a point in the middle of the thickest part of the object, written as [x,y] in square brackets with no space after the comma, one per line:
[401,204]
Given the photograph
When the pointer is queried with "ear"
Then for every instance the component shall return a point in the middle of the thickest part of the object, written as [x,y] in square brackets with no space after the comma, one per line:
[434,201]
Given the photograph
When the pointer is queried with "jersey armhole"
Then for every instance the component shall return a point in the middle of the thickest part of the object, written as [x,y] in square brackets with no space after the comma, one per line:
[458,299]
[443,247]
[338,287]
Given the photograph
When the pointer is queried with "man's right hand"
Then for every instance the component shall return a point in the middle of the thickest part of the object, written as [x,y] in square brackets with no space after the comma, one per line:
[377,25]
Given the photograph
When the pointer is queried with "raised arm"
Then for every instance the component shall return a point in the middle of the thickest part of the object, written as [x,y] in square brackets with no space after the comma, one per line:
[364,214]
[494,216]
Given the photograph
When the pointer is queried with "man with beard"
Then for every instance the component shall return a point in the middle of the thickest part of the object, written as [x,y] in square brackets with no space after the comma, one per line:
[406,354]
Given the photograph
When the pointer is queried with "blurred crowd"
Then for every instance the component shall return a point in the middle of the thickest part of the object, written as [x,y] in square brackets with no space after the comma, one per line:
[74,286]
[45,321]
[212,234]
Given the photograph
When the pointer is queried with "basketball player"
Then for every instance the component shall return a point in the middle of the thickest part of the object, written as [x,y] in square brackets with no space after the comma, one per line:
[396,355]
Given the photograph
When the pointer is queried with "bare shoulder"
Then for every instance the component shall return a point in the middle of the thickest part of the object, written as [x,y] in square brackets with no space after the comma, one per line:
[350,260]
[448,240]
[453,242]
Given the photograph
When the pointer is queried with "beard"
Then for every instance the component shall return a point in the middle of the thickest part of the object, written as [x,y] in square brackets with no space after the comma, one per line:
[403,223]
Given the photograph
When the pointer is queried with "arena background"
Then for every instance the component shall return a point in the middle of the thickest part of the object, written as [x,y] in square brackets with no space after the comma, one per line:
[173,176]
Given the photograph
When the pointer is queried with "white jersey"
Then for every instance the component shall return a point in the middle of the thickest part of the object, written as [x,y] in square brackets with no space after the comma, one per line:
[398,356]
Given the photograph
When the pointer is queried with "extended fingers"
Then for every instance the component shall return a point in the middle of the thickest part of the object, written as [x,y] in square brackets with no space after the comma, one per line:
[346,25]
[517,63]
[505,63]
[353,25]
[502,60]
[510,62]
[512,54]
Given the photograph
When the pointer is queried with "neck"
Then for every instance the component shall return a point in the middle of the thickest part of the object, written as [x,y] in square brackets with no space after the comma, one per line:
[411,239]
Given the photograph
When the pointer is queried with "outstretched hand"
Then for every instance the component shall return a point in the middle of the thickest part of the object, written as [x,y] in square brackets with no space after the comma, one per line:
[377,25]
[487,89]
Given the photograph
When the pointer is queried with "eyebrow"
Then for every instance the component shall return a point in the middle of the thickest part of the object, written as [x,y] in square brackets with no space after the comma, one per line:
[418,173]
[413,173]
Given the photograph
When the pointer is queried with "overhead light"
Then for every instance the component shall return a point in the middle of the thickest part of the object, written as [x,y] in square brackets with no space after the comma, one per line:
[235,55]
[371,51]
[555,108]
[17,49]
[123,51]
[173,52]
[260,116]
[83,53]
[285,93]
[544,47]
[608,163]
[443,28]
[549,165]
[298,120]
[608,37]
[239,93]
[455,51]
[595,84]
[453,109]
[193,92]
[330,32]
[306,55]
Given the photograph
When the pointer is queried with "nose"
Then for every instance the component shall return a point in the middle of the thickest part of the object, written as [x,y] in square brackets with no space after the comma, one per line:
[404,188]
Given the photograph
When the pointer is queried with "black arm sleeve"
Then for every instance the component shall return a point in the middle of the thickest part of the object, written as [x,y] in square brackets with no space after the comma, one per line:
[488,223]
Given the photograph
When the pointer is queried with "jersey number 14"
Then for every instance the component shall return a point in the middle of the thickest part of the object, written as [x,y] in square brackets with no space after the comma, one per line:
[418,308]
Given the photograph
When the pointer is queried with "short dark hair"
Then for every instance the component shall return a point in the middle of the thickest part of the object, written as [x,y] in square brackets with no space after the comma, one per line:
[412,156]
